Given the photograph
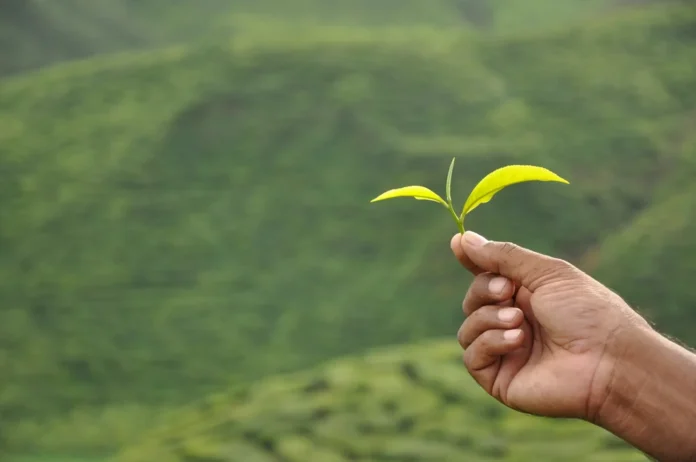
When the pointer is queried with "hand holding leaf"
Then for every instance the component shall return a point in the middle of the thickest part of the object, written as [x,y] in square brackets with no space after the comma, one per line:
[484,191]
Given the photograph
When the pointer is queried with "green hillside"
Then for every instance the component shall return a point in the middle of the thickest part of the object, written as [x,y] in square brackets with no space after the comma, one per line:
[200,215]
[414,403]
[483,15]
[660,251]
[35,33]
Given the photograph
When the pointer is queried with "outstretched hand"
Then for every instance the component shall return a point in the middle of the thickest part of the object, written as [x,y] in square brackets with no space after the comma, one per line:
[540,335]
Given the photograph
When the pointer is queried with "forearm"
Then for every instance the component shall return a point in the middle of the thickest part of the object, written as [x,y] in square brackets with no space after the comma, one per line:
[652,398]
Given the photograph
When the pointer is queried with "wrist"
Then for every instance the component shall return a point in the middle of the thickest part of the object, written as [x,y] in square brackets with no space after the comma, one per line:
[619,368]
[625,375]
[648,398]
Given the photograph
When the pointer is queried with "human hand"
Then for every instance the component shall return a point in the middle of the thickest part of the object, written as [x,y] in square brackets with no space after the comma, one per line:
[540,336]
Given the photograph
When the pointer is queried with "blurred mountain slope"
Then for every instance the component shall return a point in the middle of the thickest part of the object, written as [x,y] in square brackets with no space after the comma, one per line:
[200,214]
[36,33]
[413,403]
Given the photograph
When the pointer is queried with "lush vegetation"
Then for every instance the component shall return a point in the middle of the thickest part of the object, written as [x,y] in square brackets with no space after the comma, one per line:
[35,33]
[414,403]
[178,219]
[652,261]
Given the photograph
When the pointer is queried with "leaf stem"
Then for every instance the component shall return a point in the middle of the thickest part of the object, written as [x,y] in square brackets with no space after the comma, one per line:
[448,191]
[460,225]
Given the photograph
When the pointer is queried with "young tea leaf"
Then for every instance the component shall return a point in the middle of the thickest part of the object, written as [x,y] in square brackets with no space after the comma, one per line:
[449,182]
[417,192]
[503,177]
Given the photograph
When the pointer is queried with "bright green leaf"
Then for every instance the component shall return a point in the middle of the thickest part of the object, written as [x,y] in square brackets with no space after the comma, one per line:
[449,181]
[482,193]
[417,192]
[503,177]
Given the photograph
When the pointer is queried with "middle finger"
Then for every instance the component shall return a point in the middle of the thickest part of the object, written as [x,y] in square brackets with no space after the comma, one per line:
[487,289]
[488,318]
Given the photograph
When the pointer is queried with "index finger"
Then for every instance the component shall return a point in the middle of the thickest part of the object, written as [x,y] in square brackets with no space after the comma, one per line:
[456,246]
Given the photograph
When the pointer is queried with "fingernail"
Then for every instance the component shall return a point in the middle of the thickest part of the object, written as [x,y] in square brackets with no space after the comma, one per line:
[507,314]
[474,239]
[497,285]
[512,334]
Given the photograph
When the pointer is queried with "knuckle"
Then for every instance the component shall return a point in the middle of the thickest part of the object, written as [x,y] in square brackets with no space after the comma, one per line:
[479,287]
[556,269]
[465,306]
[461,335]
[476,328]
[482,278]
[476,294]
[467,333]
[560,264]
[468,359]
[476,323]
[477,352]
[510,254]
[563,269]
[508,247]
[485,340]
[548,272]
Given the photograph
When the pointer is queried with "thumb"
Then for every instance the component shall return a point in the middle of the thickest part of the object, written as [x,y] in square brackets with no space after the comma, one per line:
[523,266]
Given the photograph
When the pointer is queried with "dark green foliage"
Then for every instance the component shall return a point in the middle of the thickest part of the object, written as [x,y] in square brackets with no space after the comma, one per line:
[402,404]
[176,220]
[36,33]
[660,250]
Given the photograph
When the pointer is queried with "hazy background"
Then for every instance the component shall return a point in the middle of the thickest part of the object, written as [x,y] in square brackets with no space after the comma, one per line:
[185,217]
